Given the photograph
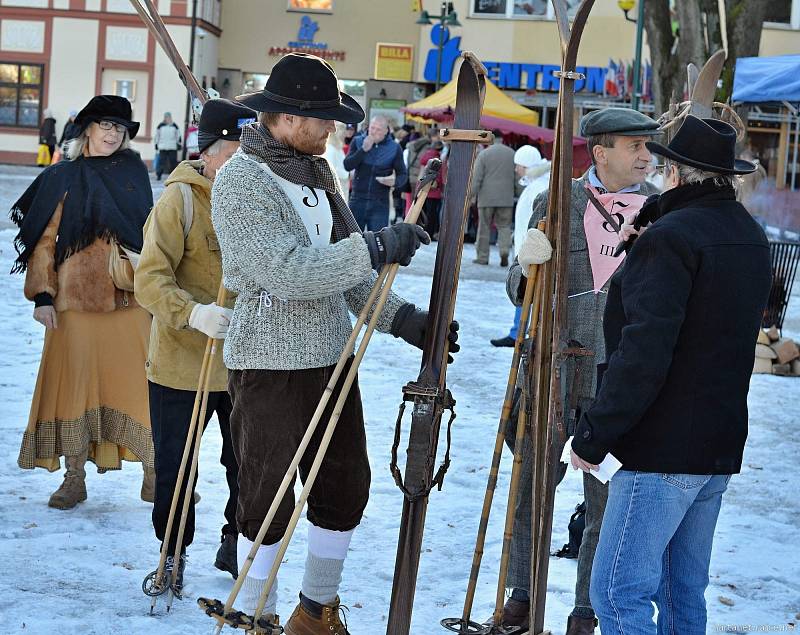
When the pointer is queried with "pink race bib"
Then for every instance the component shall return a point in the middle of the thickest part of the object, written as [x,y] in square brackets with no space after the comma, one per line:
[601,237]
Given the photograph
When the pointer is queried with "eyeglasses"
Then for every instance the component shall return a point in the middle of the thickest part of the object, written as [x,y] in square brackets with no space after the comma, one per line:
[108,125]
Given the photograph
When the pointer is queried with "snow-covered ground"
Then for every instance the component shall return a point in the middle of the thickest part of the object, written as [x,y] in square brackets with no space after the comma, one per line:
[80,571]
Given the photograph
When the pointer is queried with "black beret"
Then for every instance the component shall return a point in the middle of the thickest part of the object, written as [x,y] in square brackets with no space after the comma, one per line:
[222,119]
[620,121]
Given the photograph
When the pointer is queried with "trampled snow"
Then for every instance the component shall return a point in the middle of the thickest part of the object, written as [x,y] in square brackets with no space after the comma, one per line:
[80,571]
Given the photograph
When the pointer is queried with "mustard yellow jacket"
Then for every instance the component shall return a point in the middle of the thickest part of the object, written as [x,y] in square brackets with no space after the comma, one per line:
[174,274]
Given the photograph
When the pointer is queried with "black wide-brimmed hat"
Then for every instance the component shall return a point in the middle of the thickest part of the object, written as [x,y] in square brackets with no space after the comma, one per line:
[108,108]
[222,119]
[305,85]
[708,144]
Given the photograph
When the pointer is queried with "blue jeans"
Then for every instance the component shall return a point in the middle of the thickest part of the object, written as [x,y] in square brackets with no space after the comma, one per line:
[515,327]
[371,214]
[655,546]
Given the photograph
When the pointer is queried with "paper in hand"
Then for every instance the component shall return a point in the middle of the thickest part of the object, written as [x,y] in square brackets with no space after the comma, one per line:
[605,470]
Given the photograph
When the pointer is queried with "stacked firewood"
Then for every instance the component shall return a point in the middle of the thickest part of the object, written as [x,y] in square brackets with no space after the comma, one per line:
[776,355]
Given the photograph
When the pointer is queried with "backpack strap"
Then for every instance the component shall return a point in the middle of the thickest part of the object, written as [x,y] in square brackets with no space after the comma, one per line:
[188,207]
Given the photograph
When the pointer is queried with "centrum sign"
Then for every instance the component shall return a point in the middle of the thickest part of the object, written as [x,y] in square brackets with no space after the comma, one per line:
[305,43]
[510,75]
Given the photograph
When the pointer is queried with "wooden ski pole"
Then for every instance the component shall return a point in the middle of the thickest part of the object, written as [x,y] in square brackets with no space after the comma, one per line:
[198,427]
[370,308]
[464,624]
[535,281]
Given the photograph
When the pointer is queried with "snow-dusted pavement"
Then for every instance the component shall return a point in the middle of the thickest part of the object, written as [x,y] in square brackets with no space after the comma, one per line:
[79,571]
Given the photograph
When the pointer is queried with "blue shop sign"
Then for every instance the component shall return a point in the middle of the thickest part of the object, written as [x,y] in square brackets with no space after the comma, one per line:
[510,75]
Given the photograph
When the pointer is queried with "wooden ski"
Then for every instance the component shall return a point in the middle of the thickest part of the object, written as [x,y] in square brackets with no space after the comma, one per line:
[429,393]
[551,342]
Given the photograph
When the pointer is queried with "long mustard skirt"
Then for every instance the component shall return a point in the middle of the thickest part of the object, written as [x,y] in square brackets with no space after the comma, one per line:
[91,393]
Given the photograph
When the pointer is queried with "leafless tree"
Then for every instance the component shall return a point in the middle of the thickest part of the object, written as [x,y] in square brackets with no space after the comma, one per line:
[698,36]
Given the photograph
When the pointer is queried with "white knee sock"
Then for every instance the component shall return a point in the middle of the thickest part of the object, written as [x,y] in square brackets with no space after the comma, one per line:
[327,551]
[257,575]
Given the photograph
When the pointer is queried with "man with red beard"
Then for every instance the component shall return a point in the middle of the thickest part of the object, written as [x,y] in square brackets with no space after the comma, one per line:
[295,255]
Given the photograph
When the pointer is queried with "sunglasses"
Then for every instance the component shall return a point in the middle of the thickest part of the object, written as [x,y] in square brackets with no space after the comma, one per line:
[108,125]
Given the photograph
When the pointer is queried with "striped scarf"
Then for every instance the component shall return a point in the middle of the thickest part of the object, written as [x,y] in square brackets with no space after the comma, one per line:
[301,169]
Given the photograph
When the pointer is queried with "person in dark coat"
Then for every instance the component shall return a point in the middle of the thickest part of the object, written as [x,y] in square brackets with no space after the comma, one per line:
[47,131]
[71,129]
[672,403]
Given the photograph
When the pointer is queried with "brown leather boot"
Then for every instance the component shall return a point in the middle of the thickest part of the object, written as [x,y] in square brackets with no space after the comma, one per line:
[515,613]
[580,625]
[148,491]
[73,489]
[303,622]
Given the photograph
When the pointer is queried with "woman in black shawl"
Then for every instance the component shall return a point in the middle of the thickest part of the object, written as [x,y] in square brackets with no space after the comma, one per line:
[80,229]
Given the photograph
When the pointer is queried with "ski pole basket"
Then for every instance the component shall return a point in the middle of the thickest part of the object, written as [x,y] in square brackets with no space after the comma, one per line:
[784,256]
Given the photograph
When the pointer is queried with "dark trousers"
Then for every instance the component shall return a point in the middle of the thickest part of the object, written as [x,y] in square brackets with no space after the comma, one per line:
[371,214]
[271,412]
[170,414]
[167,162]
[431,211]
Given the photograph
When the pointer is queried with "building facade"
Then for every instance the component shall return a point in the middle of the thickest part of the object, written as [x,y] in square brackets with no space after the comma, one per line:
[58,53]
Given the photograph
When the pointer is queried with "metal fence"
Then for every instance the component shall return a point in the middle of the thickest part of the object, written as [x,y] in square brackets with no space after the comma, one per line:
[785,255]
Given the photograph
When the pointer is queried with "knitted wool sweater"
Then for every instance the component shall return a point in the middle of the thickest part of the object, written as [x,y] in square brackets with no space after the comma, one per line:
[292,308]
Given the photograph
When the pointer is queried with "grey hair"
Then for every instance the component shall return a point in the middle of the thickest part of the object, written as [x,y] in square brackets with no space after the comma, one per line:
[214,149]
[688,175]
[75,148]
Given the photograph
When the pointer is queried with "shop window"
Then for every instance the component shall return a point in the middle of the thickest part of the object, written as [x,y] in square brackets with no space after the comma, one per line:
[516,9]
[20,94]
[311,6]
[779,11]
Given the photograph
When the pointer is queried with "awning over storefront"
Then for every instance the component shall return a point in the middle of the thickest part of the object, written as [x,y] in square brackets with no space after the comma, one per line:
[499,111]
[763,79]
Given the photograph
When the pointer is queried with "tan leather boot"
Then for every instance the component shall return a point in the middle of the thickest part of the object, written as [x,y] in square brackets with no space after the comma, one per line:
[148,492]
[302,622]
[580,625]
[73,489]
[515,613]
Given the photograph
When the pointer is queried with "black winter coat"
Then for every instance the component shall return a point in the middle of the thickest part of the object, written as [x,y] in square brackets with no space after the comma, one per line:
[680,326]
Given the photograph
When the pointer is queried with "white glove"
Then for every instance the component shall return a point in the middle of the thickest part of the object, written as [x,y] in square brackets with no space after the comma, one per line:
[535,250]
[211,319]
[132,256]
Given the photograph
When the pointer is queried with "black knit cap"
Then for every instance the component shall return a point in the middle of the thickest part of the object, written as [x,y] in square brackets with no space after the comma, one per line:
[305,85]
[108,108]
[222,119]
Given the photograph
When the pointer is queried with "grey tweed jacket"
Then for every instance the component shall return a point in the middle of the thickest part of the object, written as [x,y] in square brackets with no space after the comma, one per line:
[584,312]
[292,308]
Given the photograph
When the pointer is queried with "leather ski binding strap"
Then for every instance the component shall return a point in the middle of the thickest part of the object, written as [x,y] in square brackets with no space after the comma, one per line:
[476,136]
[441,402]
[603,211]
[575,75]
[238,619]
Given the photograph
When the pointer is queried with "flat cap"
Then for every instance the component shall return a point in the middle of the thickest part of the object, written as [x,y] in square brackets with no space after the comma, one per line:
[621,121]
[222,119]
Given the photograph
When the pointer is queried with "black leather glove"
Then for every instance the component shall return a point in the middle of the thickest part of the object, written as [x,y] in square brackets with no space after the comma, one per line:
[396,243]
[411,323]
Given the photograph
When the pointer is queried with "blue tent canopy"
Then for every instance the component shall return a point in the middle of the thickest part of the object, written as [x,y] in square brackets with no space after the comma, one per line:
[762,79]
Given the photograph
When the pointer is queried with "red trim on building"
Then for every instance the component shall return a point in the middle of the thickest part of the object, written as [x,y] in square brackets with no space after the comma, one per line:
[178,8]
[18,158]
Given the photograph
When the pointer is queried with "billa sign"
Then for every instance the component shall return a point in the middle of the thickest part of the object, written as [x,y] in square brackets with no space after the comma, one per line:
[394,62]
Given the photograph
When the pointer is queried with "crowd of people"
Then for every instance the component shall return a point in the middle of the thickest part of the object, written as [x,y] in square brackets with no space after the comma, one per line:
[290,205]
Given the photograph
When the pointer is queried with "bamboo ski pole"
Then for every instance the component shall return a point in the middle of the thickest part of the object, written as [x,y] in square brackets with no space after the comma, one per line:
[425,183]
[298,455]
[491,484]
[516,469]
[159,576]
[198,427]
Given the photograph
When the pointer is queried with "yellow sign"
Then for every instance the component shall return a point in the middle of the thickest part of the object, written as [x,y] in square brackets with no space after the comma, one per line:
[394,61]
